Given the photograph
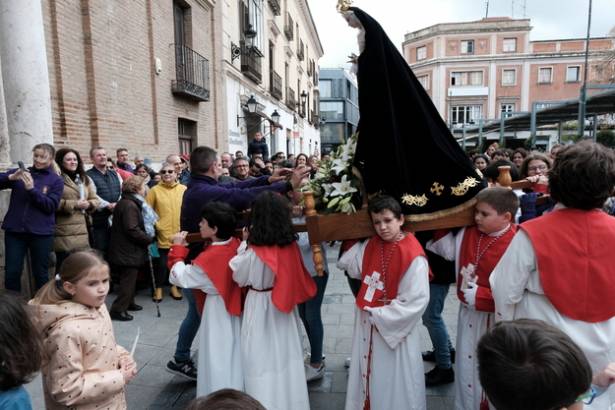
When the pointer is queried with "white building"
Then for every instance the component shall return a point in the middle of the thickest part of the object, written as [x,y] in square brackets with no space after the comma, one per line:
[270,50]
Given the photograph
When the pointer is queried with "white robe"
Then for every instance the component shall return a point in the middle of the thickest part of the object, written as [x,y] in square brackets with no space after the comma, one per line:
[471,326]
[271,349]
[396,380]
[219,365]
[518,294]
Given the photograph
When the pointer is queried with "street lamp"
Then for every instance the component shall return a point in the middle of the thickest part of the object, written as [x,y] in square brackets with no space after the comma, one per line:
[583,99]
[249,34]
[251,105]
[275,116]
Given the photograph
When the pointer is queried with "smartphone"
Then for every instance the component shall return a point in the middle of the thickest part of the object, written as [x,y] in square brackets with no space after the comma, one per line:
[21,165]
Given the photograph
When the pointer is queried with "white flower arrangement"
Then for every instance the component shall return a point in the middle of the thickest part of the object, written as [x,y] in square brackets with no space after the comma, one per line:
[336,189]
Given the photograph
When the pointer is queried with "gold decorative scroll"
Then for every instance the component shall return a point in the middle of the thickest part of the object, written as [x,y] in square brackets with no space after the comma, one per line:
[418,200]
[343,5]
[463,187]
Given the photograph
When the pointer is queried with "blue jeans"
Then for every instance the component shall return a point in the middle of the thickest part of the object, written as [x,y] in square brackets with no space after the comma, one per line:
[432,319]
[188,329]
[312,320]
[16,247]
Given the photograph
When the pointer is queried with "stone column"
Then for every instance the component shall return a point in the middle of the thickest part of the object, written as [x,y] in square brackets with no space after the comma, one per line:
[25,77]
[5,158]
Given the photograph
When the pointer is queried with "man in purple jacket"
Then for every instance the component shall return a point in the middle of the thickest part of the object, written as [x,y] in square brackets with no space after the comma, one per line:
[202,188]
[30,220]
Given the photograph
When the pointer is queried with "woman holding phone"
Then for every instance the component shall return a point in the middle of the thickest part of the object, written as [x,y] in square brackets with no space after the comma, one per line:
[30,220]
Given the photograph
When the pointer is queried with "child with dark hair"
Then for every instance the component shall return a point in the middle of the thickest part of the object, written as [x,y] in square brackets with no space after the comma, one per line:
[386,368]
[531,365]
[476,250]
[225,399]
[20,353]
[559,267]
[219,364]
[269,265]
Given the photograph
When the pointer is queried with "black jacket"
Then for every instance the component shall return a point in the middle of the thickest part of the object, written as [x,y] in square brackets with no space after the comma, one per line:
[129,242]
[258,147]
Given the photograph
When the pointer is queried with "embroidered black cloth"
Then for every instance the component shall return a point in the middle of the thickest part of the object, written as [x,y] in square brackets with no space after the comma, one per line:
[404,147]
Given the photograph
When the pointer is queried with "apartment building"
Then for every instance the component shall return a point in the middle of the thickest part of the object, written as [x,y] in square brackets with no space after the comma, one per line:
[488,68]
[270,51]
[339,107]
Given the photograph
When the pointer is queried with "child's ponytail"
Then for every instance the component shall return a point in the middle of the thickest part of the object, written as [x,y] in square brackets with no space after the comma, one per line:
[77,266]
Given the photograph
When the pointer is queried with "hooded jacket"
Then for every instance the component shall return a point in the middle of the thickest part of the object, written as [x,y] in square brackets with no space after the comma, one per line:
[82,367]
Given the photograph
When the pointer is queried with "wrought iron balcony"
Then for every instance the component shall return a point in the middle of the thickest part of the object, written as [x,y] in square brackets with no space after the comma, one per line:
[290,99]
[289,27]
[275,7]
[251,64]
[191,74]
[300,51]
[275,84]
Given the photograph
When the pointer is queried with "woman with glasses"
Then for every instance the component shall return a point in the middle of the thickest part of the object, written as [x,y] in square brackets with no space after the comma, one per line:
[166,200]
[535,168]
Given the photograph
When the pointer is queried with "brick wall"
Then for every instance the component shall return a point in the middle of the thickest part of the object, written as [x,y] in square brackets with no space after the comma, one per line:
[104,90]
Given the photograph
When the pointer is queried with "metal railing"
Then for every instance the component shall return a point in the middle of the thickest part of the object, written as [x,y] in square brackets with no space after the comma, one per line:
[300,51]
[191,74]
[275,84]
[251,65]
[290,99]
[289,27]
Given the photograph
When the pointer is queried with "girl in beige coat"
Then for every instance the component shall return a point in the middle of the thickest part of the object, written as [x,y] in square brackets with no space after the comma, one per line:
[85,368]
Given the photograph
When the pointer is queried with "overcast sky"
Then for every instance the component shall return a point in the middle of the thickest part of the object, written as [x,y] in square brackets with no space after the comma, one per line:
[550,19]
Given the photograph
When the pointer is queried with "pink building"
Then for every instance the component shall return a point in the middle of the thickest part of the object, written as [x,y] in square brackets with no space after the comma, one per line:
[479,69]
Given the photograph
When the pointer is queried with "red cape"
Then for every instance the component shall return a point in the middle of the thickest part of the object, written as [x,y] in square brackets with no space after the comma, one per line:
[214,262]
[574,257]
[404,253]
[292,284]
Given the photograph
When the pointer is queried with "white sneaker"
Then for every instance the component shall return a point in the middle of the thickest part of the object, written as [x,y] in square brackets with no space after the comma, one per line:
[347,363]
[312,373]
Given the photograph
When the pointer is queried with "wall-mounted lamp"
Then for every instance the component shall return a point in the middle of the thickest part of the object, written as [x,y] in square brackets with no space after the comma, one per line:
[251,105]
[250,35]
[275,116]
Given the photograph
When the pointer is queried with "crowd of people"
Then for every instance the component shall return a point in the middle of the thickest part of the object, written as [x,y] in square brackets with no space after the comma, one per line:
[536,299]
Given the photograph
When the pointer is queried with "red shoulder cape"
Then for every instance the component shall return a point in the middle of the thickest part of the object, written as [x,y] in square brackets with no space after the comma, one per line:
[214,262]
[292,284]
[404,253]
[574,257]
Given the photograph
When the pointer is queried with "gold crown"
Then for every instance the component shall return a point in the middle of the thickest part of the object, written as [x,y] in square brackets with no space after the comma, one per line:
[343,5]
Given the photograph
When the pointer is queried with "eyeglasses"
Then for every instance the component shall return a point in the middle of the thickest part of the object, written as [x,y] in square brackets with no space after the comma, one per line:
[538,168]
[588,397]
[166,171]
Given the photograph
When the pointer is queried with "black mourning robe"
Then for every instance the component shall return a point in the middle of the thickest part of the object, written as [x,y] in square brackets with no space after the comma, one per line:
[404,147]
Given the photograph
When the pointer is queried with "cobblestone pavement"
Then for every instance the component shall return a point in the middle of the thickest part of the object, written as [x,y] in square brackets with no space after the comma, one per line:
[155,388]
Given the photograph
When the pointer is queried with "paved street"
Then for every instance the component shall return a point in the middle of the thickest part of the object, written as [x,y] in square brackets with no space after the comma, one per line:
[155,388]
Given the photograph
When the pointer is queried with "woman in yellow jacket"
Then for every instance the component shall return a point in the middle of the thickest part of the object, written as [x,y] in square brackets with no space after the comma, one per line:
[166,199]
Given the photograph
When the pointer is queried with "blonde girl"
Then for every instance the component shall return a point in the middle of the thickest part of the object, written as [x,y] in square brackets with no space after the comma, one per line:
[85,368]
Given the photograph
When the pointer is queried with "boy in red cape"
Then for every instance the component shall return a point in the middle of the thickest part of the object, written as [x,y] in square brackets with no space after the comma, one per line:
[386,369]
[476,250]
[270,266]
[560,267]
[219,363]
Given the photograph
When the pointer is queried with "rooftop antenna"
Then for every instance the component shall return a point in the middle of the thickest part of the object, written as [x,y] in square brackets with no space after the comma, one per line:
[524,9]
[487,9]
[512,8]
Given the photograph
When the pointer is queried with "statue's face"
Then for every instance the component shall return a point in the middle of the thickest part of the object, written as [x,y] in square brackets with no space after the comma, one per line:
[351,19]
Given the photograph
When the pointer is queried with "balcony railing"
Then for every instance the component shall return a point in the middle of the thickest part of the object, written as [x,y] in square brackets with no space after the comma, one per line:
[251,65]
[191,74]
[300,51]
[290,99]
[289,27]
[275,7]
[275,84]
